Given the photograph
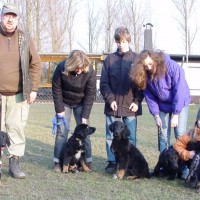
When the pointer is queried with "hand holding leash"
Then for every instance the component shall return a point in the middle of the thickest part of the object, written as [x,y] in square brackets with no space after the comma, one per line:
[174,121]
[158,120]
[56,123]
[85,121]
[133,107]
[113,105]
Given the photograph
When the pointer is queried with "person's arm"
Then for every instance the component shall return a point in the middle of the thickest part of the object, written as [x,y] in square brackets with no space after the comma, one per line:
[57,89]
[138,98]
[151,102]
[179,86]
[90,91]
[35,72]
[105,88]
[181,145]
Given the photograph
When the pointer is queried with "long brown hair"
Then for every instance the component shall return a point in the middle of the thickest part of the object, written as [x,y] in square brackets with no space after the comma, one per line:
[139,75]
[77,59]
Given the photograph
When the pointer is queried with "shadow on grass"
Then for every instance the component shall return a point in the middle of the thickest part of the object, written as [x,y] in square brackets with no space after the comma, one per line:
[40,153]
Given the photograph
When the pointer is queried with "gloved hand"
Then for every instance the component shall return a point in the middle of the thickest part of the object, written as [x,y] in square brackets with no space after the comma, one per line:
[174,121]
[158,120]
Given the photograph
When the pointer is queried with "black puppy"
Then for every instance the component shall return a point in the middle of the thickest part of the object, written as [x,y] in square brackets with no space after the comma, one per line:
[168,164]
[73,152]
[128,158]
[4,141]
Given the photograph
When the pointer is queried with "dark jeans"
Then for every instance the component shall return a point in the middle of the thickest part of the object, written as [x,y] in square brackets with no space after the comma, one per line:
[62,133]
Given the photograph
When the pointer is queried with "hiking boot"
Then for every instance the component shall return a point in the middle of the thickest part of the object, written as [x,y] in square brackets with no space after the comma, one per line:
[111,167]
[14,168]
[57,167]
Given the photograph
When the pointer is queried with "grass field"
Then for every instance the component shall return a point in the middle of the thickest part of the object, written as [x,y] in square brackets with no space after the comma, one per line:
[44,184]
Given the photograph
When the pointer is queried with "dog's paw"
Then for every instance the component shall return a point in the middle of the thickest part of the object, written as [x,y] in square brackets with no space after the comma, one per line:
[75,171]
[88,170]
[66,168]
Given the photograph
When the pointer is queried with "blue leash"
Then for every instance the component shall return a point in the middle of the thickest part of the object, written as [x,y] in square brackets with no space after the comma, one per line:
[55,123]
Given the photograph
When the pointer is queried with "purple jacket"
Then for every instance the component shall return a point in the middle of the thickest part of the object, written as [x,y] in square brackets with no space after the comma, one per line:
[169,94]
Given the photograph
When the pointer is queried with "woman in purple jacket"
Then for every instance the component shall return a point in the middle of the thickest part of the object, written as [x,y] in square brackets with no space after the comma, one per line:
[166,92]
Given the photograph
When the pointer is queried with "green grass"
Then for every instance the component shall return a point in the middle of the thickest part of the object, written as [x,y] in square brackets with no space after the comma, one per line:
[42,183]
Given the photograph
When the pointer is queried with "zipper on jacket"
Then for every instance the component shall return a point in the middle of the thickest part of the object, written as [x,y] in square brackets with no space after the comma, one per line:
[8,44]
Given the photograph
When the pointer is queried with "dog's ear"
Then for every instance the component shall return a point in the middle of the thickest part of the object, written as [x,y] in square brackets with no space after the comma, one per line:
[92,130]
[126,132]
[111,127]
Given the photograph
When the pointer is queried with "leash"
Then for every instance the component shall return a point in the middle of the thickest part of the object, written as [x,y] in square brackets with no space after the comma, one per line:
[119,106]
[56,123]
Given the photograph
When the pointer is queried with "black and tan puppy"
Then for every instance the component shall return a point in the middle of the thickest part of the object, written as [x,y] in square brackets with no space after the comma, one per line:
[128,158]
[168,164]
[73,152]
[4,141]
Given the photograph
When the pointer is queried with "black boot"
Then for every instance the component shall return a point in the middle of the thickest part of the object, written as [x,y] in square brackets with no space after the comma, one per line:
[14,168]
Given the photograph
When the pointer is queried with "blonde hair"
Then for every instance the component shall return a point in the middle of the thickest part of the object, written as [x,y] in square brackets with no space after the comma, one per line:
[76,59]
[138,74]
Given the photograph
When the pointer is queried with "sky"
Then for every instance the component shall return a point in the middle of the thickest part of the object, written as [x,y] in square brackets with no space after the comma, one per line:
[165,31]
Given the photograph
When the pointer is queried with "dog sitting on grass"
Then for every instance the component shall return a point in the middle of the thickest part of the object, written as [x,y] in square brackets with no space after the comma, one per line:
[168,164]
[4,141]
[128,158]
[72,155]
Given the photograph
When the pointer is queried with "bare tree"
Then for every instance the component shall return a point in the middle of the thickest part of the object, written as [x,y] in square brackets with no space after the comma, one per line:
[61,17]
[111,12]
[94,26]
[134,18]
[186,10]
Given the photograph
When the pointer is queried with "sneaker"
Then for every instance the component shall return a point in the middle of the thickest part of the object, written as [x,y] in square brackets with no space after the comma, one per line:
[111,167]
[57,167]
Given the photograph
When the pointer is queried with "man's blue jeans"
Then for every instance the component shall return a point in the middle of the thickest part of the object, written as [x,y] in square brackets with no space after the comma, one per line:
[165,131]
[131,123]
[62,133]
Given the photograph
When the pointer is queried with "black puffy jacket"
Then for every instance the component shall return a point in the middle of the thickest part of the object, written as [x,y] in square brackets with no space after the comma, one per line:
[73,89]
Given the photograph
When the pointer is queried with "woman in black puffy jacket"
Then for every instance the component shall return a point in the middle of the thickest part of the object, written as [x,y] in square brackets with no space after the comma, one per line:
[73,88]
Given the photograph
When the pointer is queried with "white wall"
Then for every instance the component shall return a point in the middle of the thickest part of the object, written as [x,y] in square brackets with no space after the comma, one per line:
[192,73]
